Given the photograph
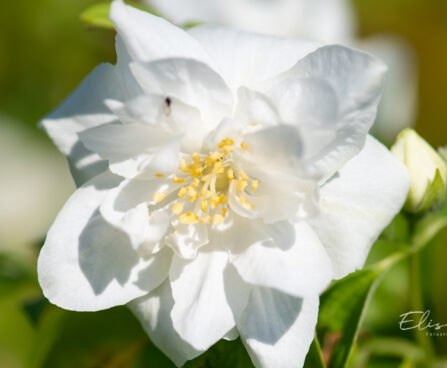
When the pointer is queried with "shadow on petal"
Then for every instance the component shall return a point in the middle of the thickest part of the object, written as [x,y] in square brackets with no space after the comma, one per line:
[105,254]
[84,164]
[257,318]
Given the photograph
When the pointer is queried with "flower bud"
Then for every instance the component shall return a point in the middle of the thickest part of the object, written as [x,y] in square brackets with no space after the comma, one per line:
[428,171]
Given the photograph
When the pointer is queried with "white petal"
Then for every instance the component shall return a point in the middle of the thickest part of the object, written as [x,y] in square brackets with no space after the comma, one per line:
[86,264]
[232,335]
[245,58]
[126,208]
[242,233]
[117,141]
[278,147]
[186,240]
[147,37]
[187,11]
[208,296]
[277,329]
[398,107]
[300,269]
[153,311]
[133,149]
[357,203]
[356,79]
[82,110]
[190,81]
[256,109]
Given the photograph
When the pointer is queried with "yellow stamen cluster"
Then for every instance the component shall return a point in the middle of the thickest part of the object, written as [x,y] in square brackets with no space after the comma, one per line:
[206,179]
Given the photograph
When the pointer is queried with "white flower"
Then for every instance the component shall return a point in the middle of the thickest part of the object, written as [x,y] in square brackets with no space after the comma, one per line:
[241,179]
[328,21]
[428,171]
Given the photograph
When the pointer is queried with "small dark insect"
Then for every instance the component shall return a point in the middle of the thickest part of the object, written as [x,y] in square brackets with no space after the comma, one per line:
[168,103]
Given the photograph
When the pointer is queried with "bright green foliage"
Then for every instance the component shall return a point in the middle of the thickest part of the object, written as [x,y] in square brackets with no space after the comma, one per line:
[98,15]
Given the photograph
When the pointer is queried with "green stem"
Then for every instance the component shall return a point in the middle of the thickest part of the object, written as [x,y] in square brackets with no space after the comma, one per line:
[417,304]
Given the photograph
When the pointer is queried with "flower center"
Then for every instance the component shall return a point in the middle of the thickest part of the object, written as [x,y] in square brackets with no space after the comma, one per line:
[207,178]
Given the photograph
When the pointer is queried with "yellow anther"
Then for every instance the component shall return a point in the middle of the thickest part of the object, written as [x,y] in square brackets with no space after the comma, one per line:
[204,192]
[192,193]
[189,218]
[225,142]
[182,192]
[254,184]
[230,174]
[244,203]
[178,180]
[183,166]
[228,149]
[177,208]
[217,219]
[206,219]
[218,168]
[195,169]
[243,176]
[214,201]
[158,196]
[244,145]
[195,182]
[159,175]
[223,199]
[224,211]
[204,205]
[196,157]
[240,185]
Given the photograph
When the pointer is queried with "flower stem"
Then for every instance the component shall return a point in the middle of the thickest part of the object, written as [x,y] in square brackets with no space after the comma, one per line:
[417,304]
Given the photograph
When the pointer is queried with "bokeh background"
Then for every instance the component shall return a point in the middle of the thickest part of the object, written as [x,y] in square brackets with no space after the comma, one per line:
[45,51]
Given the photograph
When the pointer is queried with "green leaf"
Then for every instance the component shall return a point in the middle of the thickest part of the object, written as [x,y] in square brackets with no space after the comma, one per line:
[342,308]
[110,338]
[428,227]
[14,274]
[224,354]
[98,15]
[314,358]
[343,305]
[434,194]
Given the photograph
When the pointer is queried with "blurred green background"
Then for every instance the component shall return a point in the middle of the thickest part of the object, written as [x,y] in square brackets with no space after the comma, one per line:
[45,51]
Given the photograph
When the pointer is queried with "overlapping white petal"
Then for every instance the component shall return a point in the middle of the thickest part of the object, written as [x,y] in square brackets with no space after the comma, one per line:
[299,269]
[86,264]
[347,80]
[208,296]
[190,81]
[153,311]
[82,110]
[247,59]
[358,203]
[278,329]
[147,37]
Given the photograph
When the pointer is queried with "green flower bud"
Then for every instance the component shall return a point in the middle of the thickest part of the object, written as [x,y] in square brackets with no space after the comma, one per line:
[428,171]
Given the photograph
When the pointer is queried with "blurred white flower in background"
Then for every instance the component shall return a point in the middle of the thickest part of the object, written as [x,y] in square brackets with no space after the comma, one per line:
[34,185]
[219,194]
[328,21]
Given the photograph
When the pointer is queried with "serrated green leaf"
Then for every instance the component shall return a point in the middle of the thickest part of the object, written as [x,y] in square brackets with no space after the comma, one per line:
[98,15]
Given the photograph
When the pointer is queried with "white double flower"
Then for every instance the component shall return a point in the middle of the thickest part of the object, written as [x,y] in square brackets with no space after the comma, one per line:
[226,178]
